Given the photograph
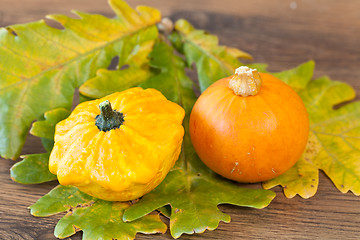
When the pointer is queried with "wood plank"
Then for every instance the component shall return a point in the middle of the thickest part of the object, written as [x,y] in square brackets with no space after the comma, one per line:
[281,33]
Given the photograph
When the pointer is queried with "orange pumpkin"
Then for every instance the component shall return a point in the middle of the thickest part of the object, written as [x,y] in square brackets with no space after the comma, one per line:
[249,127]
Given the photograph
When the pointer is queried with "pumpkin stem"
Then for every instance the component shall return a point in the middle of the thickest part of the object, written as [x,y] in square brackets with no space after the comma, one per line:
[108,118]
[245,82]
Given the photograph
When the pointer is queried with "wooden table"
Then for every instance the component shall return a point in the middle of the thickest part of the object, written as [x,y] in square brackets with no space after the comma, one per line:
[281,33]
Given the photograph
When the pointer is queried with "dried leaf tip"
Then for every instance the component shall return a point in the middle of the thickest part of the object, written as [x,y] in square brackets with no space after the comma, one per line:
[245,82]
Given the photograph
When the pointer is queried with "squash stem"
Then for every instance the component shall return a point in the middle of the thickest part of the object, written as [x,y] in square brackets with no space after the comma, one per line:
[245,82]
[106,109]
[108,118]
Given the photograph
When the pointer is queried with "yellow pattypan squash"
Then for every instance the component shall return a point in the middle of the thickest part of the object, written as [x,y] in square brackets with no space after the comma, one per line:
[119,154]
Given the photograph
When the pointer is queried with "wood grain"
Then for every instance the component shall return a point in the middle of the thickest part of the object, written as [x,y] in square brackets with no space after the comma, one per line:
[281,33]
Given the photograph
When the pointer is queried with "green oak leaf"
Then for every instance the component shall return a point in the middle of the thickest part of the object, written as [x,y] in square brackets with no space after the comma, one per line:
[46,128]
[48,144]
[32,169]
[37,79]
[298,77]
[110,81]
[212,61]
[165,210]
[191,189]
[194,197]
[333,144]
[171,79]
[98,219]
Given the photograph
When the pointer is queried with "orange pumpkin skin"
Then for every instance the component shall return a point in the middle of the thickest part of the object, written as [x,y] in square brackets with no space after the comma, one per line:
[249,139]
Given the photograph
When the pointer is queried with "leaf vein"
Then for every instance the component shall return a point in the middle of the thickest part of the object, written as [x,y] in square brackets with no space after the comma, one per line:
[27,58]
[57,43]
[321,95]
[210,55]
[334,119]
[346,169]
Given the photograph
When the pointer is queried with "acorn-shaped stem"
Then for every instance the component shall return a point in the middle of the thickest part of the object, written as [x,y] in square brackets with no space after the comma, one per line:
[245,82]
